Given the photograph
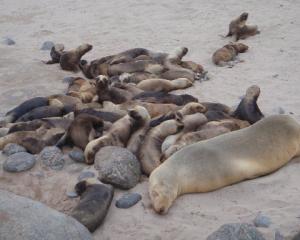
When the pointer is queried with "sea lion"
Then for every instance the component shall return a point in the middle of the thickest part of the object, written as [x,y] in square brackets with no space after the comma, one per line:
[216,115]
[228,53]
[163,85]
[237,24]
[247,31]
[211,106]
[55,53]
[105,115]
[190,108]
[260,149]
[26,106]
[41,112]
[66,103]
[136,77]
[161,97]
[83,89]
[174,74]
[95,199]
[248,109]
[119,133]
[69,60]
[195,67]
[82,130]
[150,151]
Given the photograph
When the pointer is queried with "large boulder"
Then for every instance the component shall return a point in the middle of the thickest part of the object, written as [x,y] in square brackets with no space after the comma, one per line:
[19,162]
[236,231]
[24,219]
[118,167]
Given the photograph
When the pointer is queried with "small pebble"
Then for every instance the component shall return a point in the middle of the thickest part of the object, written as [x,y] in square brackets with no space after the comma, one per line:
[12,148]
[19,162]
[85,174]
[8,41]
[47,45]
[72,194]
[262,221]
[77,156]
[128,200]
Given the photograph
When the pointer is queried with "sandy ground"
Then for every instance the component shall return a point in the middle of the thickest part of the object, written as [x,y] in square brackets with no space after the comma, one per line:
[113,26]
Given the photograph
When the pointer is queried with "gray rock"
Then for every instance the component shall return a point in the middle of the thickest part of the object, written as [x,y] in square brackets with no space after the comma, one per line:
[12,148]
[8,41]
[3,131]
[52,157]
[25,219]
[117,166]
[262,221]
[47,45]
[85,174]
[128,200]
[72,194]
[19,162]
[236,231]
[77,155]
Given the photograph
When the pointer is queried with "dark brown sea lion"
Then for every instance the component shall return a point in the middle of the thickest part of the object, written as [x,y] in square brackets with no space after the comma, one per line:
[55,53]
[105,115]
[95,199]
[248,109]
[237,24]
[41,112]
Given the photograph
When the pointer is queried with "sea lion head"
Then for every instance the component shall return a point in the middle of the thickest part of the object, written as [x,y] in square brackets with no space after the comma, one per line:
[244,16]
[102,82]
[193,107]
[84,47]
[140,114]
[253,92]
[240,47]
[162,196]
[81,186]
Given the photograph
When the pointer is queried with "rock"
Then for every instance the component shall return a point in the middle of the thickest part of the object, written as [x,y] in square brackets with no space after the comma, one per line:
[8,41]
[262,221]
[68,80]
[85,174]
[47,45]
[128,200]
[23,218]
[52,157]
[236,231]
[12,148]
[77,155]
[117,166]
[72,194]
[19,162]
[296,237]
[75,168]
[278,236]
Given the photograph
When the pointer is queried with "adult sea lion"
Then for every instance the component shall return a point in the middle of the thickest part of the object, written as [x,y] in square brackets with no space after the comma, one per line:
[221,161]
[237,24]
[95,199]
[163,85]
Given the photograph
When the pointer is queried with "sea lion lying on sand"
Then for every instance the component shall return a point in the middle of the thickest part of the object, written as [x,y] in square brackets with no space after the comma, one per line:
[164,85]
[83,89]
[209,165]
[95,199]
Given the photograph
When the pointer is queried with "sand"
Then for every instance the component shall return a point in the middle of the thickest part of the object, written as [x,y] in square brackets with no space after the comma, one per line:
[113,26]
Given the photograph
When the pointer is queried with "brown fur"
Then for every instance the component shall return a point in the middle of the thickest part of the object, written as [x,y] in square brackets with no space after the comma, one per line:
[195,67]
[83,89]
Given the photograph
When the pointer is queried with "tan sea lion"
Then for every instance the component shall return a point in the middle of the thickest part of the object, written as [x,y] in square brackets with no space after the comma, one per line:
[150,151]
[195,67]
[233,157]
[83,89]
[119,133]
[228,53]
[95,199]
[163,85]
[237,24]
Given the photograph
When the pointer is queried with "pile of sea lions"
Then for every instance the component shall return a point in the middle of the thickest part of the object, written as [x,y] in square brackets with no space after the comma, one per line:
[184,145]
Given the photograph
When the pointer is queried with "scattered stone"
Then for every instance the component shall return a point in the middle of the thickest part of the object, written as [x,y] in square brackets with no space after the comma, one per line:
[117,166]
[275,75]
[52,157]
[235,231]
[84,175]
[19,162]
[12,148]
[47,45]
[278,236]
[72,194]
[77,155]
[262,221]
[36,221]
[8,41]
[128,200]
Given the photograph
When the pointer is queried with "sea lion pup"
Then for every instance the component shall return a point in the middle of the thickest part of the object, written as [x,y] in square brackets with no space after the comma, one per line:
[248,109]
[69,60]
[188,109]
[193,137]
[191,123]
[82,130]
[247,31]
[244,154]
[119,133]
[163,85]
[83,89]
[236,24]
[95,199]
[55,53]
[34,141]
[161,97]
[228,53]
[150,151]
